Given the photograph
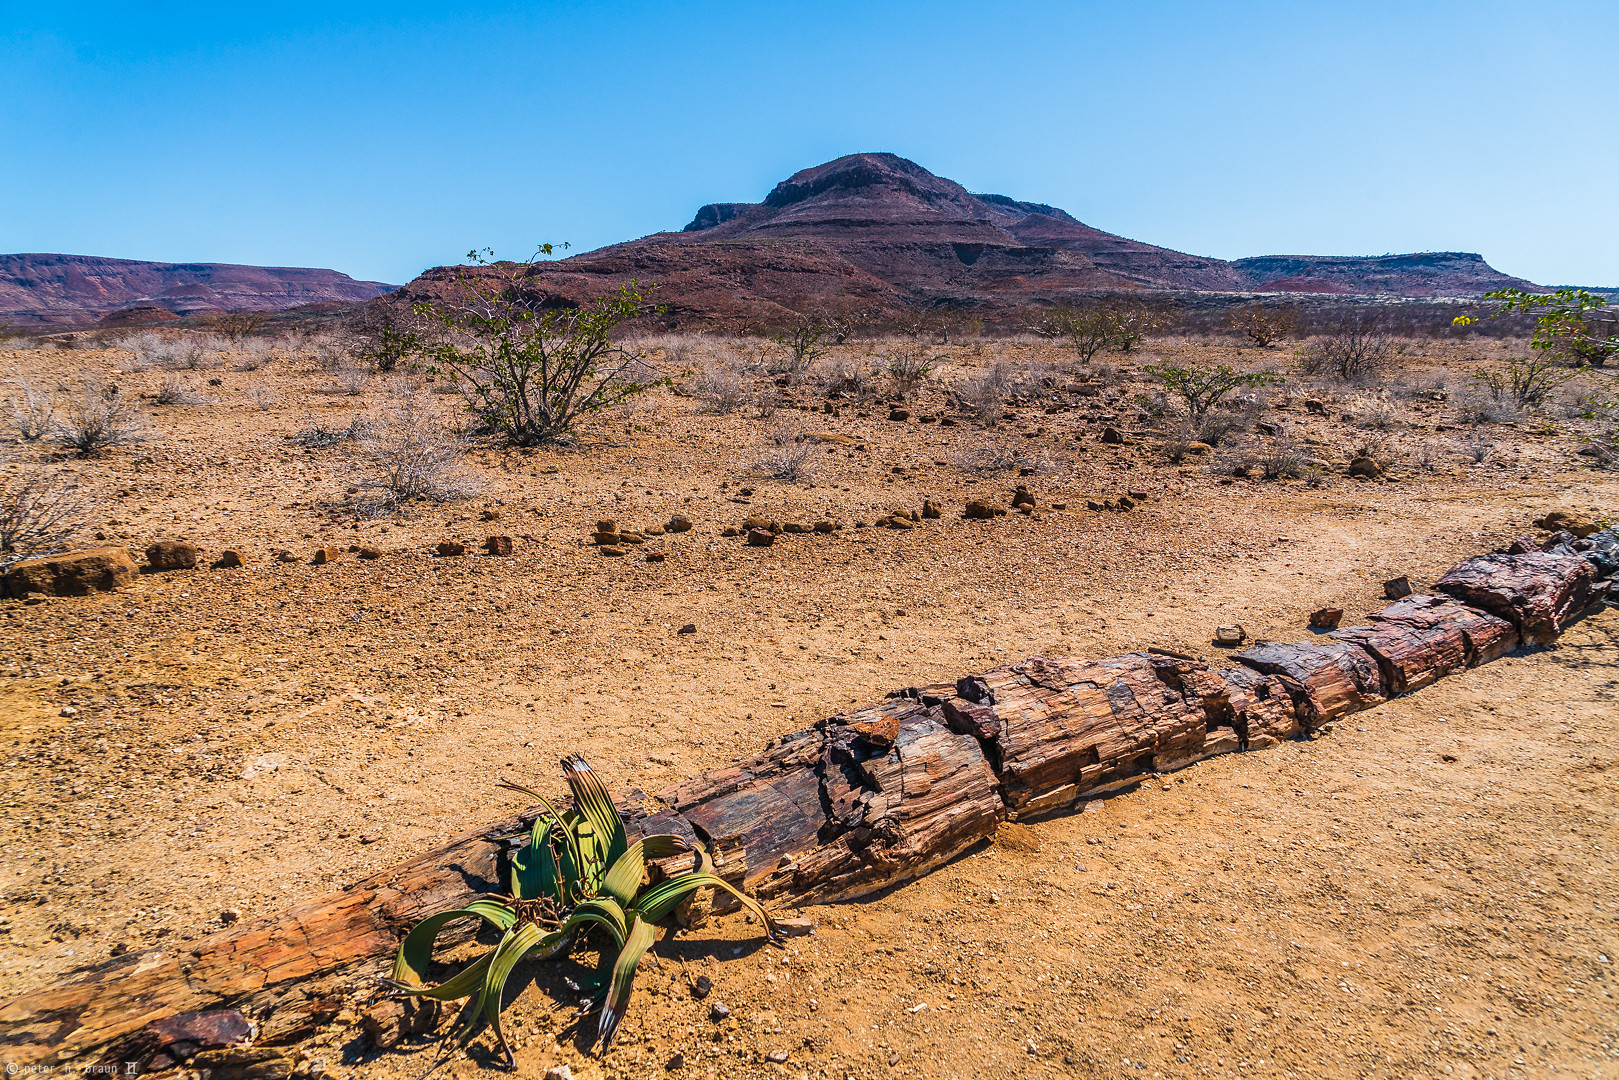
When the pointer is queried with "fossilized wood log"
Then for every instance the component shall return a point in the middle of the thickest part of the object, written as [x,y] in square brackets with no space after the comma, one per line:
[1538,592]
[1327,678]
[862,801]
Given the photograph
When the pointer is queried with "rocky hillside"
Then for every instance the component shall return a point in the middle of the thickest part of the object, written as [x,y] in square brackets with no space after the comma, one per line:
[46,290]
[878,234]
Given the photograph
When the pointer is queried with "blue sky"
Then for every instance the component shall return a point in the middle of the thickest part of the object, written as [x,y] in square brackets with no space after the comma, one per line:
[382,139]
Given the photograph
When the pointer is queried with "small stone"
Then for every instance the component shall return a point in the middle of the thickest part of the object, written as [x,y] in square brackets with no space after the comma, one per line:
[760,538]
[795,527]
[631,537]
[899,415]
[610,549]
[1229,634]
[979,510]
[895,521]
[1397,588]
[449,549]
[561,1072]
[1318,407]
[1326,618]
[654,556]
[1111,436]
[172,555]
[931,510]
[230,915]
[776,1057]
[367,552]
[700,989]
[286,557]
[607,525]
[1059,506]
[229,559]
[78,573]
[689,628]
[730,530]
[490,515]
[498,545]
[1579,524]
[1199,448]
[674,1064]
[650,530]
[324,555]
[718,1011]
[826,525]
[796,926]
[68,710]
[1365,466]
[678,524]
[1124,502]
[604,538]
[947,421]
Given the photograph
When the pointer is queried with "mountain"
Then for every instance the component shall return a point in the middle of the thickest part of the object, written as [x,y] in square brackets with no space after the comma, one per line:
[878,234]
[45,290]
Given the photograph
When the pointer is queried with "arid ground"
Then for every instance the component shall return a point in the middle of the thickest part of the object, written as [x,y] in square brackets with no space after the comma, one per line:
[1425,891]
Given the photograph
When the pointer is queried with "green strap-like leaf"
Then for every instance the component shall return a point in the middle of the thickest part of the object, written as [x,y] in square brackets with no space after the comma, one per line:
[534,869]
[512,949]
[635,946]
[416,951]
[623,878]
[603,911]
[593,799]
[663,898]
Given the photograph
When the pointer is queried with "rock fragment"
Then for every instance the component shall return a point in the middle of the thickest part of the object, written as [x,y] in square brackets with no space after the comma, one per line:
[171,555]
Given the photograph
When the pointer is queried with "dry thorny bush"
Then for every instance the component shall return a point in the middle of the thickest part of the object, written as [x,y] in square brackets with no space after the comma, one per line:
[99,415]
[41,510]
[408,454]
[33,412]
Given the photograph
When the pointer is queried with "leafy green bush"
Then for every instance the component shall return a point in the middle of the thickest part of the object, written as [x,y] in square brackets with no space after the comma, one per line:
[1200,388]
[578,875]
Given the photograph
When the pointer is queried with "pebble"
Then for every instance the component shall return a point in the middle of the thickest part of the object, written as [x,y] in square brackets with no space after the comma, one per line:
[718,1011]
[450,549]
[760,538]
[701,988]
[562,1072]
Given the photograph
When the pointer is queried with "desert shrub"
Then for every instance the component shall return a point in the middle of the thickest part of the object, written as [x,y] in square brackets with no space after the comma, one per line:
[176,392]
[784,461]
[987,460]
[255,353]
[853,377]
[1178,443]
[1478,405]
[1278,460]
[148,350]
[234,326]
[318,435]
[1527,383]
[1354,351]
[408,455]
[41,510]
[1087,328]
[1130,321]
[262,398]
[1233,459]
[1477,447]
[197,352]
[1571,325]
[1373,410]
[1263,325]
[1427,456]
[720,389]
[33,412]
[1201,389]
[347,379]
[381,334]
[528,371]
[908,369]
[985,391]
[327,353]
[797,349]
[98,415]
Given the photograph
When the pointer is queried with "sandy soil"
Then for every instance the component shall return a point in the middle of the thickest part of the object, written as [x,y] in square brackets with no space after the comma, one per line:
[1424,892]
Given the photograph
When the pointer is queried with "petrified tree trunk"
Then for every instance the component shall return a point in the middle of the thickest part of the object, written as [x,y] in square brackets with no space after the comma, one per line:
[862,801]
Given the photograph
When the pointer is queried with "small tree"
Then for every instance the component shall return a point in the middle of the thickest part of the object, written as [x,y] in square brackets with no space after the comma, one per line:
[527,369]
[1570,324]
[1352,351]
[382,334]
[237,325]
[1526,384]
[1262,325]
[1087,328]
[1202,388]
[799,347]
[1132,320]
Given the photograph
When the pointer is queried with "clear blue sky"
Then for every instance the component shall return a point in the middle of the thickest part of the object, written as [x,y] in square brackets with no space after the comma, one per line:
[382,139]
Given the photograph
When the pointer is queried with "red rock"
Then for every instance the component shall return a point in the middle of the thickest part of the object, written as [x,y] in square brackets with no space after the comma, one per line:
[77,573]
[1538,592]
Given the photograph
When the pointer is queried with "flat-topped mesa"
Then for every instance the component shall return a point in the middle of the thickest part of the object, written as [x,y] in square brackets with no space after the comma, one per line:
[865,799]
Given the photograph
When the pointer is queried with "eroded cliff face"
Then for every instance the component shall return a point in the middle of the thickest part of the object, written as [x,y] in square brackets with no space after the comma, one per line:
[45,289]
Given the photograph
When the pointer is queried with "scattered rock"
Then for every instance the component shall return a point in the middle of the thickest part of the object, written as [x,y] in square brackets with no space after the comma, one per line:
[730,530]
[610,549]
[773,527]
[931,510]
[1021,497]
[678,524]
[760,538]
[654,556]
[286,557]
[980,510]
[947,421]
[449,549]
[490,515]
[1124,502]
[172,555]
[367,552]
[1326,618]
[1312,405]
[77,573]
[650,530]
[1579,524]
[777,1057]
[718,1011]
[229,559]
[324,555]
[1365,466]
[230,915]
[1397,588]
[827,525]
[604,538]
[674,1064]
[562,1072]
[900,415]
[796,926]
[897,521]
[1111,436]
[607,525]
[796,527]
[1199,448]
[498,545]
[1230,634]
[700,989]
[689,628]
[630,537]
